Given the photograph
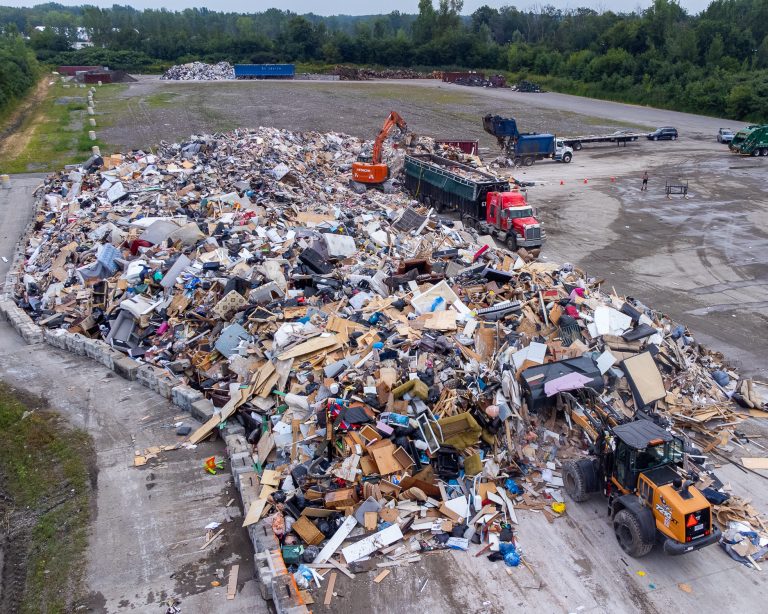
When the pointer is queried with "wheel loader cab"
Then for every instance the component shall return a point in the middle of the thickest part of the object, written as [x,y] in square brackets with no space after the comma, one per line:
[638,451]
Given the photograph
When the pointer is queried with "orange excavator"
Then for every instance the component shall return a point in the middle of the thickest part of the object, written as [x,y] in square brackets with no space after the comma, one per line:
[370,170]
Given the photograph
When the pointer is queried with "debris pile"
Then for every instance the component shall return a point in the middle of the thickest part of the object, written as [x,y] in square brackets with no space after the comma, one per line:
[404,387]
[200,71]
[355,73]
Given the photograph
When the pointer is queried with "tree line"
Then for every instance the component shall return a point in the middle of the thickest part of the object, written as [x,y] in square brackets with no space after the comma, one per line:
[18,72]
[715,62]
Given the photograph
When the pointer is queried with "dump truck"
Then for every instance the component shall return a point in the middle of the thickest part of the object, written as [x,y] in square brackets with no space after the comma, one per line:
[525,148]
[751,141]
[482,201]
[636,464]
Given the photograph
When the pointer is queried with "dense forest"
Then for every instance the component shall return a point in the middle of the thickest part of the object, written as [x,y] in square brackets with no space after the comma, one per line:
[715,62]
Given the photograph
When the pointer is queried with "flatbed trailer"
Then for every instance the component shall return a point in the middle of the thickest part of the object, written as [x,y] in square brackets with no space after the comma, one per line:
[620,139]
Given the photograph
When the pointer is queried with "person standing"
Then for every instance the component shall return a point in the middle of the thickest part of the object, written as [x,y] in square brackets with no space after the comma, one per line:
[645,182]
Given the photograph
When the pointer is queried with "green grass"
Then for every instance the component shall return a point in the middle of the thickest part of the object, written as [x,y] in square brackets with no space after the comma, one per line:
[45,466]
[59,130]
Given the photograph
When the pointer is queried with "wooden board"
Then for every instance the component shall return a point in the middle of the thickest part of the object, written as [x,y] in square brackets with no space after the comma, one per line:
[255,512]
[232,584]
[381,576]
[755,462]
[329,590]
[309,347]
[338,538]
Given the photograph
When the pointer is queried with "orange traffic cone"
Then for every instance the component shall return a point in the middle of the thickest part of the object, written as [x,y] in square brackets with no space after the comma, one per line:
[613,179]
[562,182]
[585,181]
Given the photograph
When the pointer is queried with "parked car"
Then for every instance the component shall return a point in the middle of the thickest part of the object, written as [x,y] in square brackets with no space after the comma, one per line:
[663,133]
[725,135]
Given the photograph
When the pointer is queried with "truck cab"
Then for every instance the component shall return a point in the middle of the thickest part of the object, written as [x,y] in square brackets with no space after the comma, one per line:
[563,153]
[511,218]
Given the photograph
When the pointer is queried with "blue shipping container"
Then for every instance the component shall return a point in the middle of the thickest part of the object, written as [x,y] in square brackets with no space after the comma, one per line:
[264,71]
[537,144]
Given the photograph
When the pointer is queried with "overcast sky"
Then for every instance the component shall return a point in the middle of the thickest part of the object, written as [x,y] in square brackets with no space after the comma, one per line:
[355,7]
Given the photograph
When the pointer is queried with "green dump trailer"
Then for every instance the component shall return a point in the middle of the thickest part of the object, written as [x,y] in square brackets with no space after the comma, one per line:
[751,141]
[447,185]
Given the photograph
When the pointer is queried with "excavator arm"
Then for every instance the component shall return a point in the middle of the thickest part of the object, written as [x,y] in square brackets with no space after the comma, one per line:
[393,120]
[376,172]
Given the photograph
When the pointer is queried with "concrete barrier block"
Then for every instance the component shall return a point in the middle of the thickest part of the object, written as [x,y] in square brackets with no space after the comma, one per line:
[164,385]
[202,410]
[236,444]
[233,428]
[184,396]
[76,344]
[126,367]
[147,376]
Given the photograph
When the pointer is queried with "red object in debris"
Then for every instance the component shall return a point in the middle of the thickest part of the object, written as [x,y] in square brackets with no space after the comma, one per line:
[480,252]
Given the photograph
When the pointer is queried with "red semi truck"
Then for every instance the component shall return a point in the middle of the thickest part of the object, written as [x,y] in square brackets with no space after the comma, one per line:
[483,201]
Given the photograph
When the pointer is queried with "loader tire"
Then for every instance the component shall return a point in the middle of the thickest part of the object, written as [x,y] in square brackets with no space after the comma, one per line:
[576,480]
[626,526]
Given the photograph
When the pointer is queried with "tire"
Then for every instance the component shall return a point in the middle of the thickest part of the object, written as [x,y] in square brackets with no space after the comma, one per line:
[511,242]
[528,161]
[575,480]
[674,138]
[626,526]
[577,146]
[655,138]
[518,161]
[567,157]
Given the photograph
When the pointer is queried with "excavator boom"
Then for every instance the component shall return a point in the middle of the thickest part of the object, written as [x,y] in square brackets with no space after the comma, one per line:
[375,172]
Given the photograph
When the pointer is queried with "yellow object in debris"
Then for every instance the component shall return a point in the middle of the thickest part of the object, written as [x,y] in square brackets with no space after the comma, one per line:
[558,508]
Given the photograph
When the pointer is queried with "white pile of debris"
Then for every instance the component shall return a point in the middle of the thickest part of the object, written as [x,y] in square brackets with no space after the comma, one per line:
[200,71]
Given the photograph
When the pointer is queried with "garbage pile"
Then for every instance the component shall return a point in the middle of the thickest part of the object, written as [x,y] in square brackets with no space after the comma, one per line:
[356,73]
[404,386]
[199,71]
[527,87]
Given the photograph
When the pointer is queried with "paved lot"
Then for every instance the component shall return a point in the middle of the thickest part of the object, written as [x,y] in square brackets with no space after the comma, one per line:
[148,522]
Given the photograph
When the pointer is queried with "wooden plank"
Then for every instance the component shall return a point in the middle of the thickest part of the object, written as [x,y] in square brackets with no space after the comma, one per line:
[338,538]
[342,568]
[309,347]
[370,544]
[329,590]
[211,540]
[381,576]
[255,512]
[755,462]
[235,395]
[232,585]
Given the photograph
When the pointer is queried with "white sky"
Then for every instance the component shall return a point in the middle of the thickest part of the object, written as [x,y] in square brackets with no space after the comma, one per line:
[355,7]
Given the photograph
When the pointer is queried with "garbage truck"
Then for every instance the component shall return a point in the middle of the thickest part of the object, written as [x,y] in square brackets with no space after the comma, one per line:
[482,201]
[525,148]
[751,141]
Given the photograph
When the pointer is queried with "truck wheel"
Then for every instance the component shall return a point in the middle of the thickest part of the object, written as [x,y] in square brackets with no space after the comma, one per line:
[674,137]
[626,526]
[577,483]
[518,161]
[511,243]
[577,146]
[528,161]
[567,157]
